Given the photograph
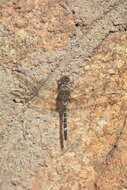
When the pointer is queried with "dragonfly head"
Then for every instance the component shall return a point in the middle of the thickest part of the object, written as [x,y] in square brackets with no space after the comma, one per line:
[63,81]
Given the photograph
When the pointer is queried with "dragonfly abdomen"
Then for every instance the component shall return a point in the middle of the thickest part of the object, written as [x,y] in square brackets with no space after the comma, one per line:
[65,122]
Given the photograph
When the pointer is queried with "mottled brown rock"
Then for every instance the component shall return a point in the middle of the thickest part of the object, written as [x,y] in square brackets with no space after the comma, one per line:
[39,42]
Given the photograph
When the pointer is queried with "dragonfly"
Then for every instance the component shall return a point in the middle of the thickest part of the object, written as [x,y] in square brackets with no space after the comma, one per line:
[62,101]
[84,98]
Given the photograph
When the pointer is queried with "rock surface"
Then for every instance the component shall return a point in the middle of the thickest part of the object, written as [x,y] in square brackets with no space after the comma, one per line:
[39,42]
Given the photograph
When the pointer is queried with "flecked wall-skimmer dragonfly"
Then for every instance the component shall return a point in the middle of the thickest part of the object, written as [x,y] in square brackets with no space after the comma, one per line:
[92,93]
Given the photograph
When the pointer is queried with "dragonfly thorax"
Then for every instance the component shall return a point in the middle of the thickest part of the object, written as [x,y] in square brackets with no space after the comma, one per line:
[64,96]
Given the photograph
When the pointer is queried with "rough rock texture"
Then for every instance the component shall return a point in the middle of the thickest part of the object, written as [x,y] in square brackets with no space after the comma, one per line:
[39,42]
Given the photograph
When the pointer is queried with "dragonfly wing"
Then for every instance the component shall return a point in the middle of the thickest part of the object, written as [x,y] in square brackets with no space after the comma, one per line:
[45,101]
[95,88]
[36,94]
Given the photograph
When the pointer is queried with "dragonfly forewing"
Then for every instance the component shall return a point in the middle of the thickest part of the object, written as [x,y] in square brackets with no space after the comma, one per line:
[47,102]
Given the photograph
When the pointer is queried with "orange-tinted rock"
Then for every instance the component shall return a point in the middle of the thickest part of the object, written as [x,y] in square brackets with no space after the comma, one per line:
[33,25]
